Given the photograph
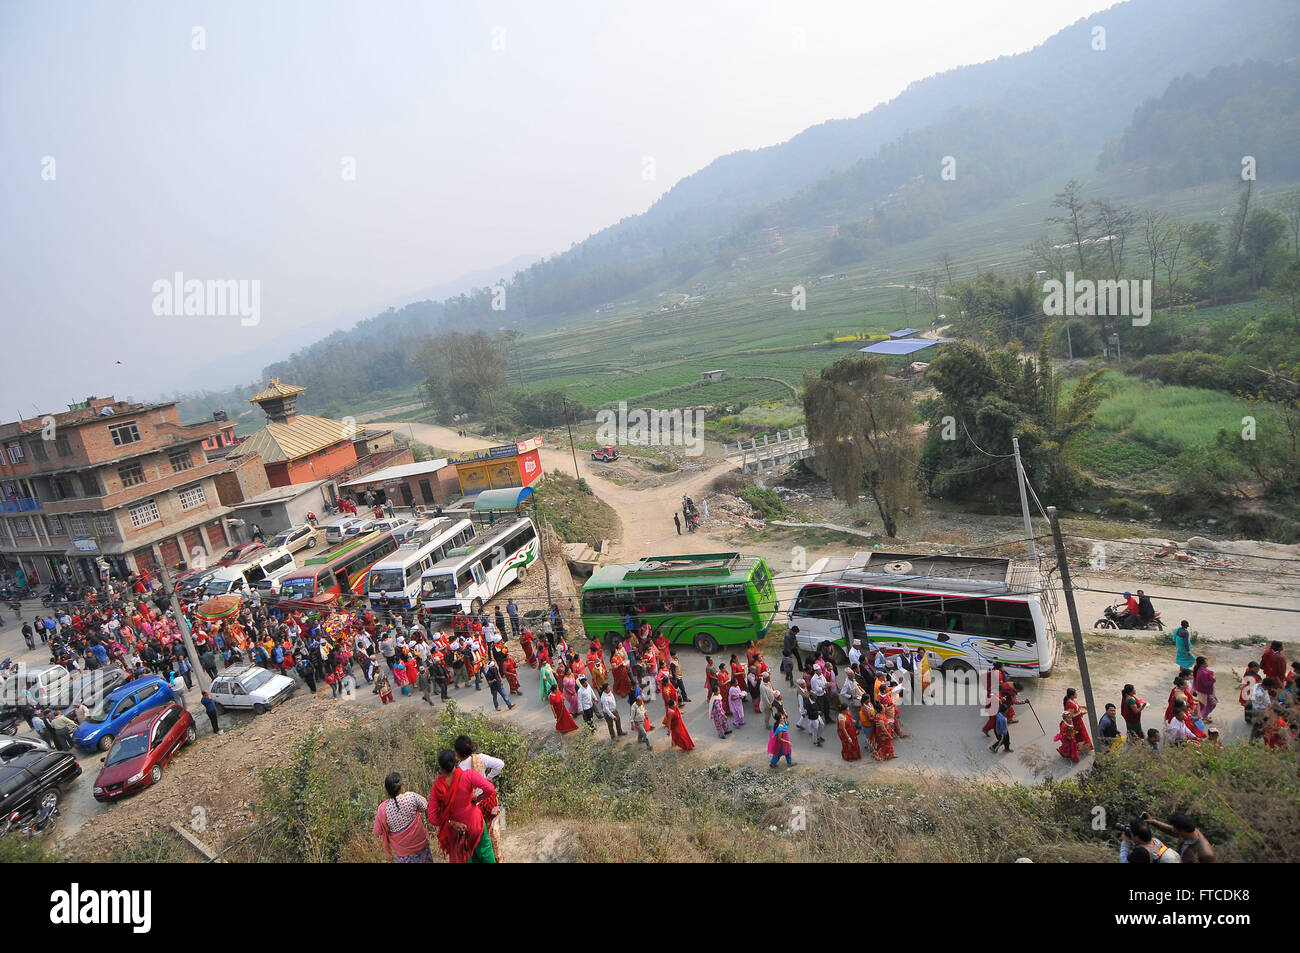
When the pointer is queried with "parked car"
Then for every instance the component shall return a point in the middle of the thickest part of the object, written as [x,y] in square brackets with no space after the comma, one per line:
[36,780]
[39,685]
[11,748]
[605,453]
[397,525]
[117,709]
[88,688]
[239,553]
[144,747]
[296,538]
[335,532]
[250,687]
[360,528]
[190,586]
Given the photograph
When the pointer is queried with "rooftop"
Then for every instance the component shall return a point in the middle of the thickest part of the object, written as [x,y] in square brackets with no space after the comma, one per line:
[281,442]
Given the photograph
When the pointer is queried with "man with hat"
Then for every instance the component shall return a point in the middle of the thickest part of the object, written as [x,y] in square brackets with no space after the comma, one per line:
[587,702]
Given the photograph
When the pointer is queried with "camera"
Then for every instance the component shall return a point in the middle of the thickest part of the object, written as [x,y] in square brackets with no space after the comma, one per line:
[1122,828]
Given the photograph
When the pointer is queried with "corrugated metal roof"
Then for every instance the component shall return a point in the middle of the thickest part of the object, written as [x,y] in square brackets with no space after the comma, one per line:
[399,472]
[277,443]
[905,346]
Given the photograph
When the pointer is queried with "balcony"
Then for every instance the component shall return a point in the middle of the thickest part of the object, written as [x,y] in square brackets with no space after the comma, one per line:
[20,504]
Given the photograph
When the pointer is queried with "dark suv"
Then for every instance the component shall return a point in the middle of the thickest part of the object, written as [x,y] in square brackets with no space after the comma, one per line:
[31,781]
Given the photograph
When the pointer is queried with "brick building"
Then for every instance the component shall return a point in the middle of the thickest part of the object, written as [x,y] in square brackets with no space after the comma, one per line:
[301,448]
[108,484]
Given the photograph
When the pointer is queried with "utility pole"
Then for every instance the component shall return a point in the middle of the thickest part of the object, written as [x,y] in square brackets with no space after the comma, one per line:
[565,401]
[200,676]
[1064,566]
[1024,502]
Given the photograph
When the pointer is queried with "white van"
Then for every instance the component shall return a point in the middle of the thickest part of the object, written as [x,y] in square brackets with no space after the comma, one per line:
[38,685]
[272,564]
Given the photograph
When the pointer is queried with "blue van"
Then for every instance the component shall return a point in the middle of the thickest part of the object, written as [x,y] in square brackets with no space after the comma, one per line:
[117,708]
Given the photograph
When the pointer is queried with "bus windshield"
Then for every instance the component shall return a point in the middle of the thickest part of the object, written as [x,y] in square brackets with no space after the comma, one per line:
[299,587]
[441,586]
[386,580]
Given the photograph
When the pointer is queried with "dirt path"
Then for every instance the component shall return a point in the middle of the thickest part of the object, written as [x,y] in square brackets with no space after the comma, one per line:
[647,514]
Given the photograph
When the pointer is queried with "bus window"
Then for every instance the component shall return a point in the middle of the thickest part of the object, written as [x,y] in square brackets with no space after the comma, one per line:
[676,599]
[882,608]
[731,598]
[762,580]
[964,615]
[815,602]
[1011,620]
[646,599]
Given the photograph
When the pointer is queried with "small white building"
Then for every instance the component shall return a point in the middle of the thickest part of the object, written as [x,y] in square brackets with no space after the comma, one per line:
[713,375]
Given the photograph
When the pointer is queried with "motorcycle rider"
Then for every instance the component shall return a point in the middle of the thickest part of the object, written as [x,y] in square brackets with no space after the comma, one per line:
[1146,611]
[1131,604]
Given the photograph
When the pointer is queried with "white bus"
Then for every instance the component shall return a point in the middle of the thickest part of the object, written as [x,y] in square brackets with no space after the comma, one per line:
[394,581]
[474,574]
[965,612]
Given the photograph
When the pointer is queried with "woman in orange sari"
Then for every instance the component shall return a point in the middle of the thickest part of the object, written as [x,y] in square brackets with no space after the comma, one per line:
[618,665]
[1083,741]
[564,722]
[669,694]
[884,733]
[456,816]
[848,732]
[867,716]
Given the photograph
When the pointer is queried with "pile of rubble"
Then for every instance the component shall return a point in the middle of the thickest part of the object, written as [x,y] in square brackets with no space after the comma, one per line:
[728,512]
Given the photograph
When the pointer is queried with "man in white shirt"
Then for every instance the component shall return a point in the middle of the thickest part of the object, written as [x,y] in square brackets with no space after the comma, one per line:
[587,702]
[1176,731]
[609,708]
[855,653]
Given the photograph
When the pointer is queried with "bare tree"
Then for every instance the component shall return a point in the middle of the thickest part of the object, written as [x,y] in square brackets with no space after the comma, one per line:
[1113,224]
[1289,206]
[945,262]
[1170,252]
[1239,225]
[1157,231]
[1074,220]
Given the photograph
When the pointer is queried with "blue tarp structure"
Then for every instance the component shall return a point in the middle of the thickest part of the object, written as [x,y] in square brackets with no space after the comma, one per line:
[506,498]
[903,332]
[906,346]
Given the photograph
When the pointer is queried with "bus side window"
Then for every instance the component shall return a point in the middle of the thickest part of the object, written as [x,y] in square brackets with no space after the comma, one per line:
[881,608]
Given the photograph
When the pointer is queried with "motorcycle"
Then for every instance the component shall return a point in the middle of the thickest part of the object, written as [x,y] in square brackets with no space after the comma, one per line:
[1117,617]
[37,825]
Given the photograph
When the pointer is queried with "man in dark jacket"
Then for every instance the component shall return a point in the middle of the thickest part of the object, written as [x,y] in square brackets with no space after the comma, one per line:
[791,645]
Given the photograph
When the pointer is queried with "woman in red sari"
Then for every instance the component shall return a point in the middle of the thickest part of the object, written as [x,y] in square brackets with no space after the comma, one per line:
[526,641]
[677,728]
[456,815]
[669,694]
[618,665]
[1069,748]
[511,673]
[1175,693]
[1083,740]
[848,732]
[564,722]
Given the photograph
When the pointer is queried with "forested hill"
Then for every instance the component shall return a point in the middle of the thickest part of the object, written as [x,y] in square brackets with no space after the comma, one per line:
[1007,122]
[1199,129]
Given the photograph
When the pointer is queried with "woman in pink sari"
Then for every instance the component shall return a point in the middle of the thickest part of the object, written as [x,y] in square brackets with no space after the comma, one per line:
[569,687]
[1203,684]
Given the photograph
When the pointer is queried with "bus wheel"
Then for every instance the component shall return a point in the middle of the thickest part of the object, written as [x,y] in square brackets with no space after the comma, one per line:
[956,665]
[521,574]
[706,644]
[476,606]
[612,640]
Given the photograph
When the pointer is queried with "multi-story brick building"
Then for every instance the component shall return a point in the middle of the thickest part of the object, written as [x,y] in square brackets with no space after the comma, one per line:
[108,484]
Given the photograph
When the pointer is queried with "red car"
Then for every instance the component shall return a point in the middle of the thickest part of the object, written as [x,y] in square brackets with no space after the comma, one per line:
[148,742]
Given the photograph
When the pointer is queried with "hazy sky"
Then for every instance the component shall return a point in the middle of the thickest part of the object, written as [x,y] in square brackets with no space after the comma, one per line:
[479,132]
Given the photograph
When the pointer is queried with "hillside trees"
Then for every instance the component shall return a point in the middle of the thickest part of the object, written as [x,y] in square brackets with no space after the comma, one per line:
[859,420]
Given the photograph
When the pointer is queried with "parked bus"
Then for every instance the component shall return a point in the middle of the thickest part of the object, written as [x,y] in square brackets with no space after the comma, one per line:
[471,575]
[707,600]
[338,574]
[965,612]
[395,580]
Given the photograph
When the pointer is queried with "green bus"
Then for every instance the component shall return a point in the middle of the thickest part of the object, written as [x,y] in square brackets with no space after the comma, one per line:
[707,600]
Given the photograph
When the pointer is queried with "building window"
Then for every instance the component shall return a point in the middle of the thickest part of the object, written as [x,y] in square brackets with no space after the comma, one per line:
[54,526]
[79,527]
[132,474]
[15,452]
[90,484]
[180,460]
[192,496]
[38,450]
[22,528]
[105,525]
[62,489]
[62,446]
[4,532]
[123,434]
[142,514]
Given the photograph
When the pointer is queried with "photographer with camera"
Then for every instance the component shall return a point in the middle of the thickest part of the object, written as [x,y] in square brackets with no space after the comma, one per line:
[1193,848]
[1137,837]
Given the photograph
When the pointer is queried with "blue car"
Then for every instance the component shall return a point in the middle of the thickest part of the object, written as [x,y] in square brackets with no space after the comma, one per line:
[117,708]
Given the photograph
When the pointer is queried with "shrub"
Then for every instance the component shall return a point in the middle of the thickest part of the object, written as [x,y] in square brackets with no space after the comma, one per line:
[764,501]
[731,482]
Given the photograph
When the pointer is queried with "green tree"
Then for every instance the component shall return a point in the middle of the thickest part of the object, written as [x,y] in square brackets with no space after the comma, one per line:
[1262,235]
[859,422]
